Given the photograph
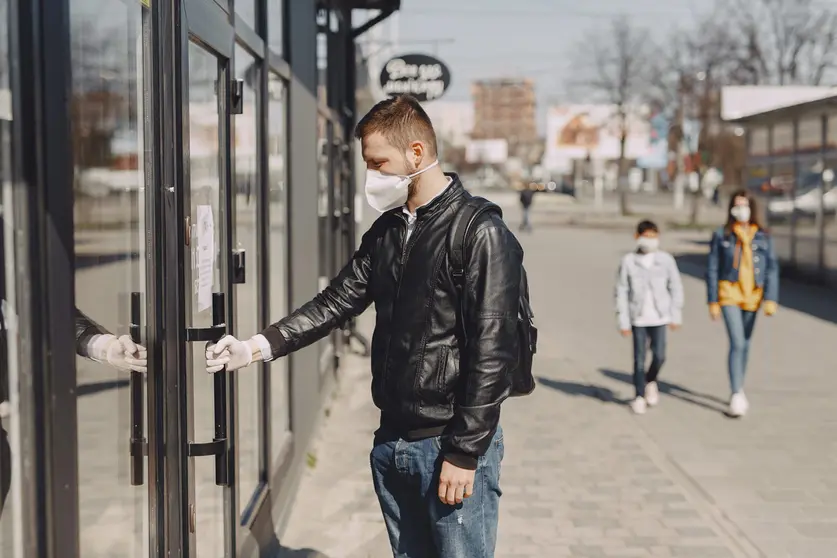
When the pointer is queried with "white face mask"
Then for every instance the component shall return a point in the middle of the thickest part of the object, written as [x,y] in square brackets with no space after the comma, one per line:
[647,244]
[388,191]
[741,213]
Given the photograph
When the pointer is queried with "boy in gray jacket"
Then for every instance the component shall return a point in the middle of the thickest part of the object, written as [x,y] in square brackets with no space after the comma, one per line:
[649,299]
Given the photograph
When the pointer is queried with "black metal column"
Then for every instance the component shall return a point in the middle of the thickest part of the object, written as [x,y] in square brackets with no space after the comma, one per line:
[42,85]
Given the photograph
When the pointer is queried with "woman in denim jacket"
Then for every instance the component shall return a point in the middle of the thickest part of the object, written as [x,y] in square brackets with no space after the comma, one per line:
[742,276]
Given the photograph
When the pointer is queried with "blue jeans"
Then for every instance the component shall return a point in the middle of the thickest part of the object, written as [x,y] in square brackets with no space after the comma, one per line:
[643,336]
[526,225]
[406,477]
[740,324]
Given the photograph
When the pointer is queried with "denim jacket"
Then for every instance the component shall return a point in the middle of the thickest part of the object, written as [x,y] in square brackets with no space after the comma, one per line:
[635,282]
[723,251]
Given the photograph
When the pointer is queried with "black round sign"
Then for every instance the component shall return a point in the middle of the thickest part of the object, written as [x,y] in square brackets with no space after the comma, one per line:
[419,75]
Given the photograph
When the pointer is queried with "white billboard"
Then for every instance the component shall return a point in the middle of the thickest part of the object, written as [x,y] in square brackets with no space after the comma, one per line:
[490,151]
[576,132]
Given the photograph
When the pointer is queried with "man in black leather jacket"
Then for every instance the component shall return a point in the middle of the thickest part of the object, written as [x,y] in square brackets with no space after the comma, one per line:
[440,365]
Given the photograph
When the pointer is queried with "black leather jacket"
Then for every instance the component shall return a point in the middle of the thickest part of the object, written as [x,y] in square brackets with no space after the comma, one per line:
[426,379]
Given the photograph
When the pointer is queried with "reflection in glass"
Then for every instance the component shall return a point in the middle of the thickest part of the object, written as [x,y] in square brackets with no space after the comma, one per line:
[247,299]
[10,518]
[206,218]
[277,249]
[323,152]
[808,194]
[109,62]
[246,10]
[275,22]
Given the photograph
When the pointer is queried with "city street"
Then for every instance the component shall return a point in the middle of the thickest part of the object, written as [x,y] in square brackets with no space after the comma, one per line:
[584,477]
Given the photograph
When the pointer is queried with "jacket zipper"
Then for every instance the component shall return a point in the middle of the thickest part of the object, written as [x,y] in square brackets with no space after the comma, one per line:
[405,252]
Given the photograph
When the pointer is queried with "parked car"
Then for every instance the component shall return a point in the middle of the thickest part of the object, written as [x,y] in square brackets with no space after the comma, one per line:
[807,200]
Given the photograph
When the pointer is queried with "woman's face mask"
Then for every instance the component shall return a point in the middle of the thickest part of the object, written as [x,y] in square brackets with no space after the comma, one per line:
[388,191]
[741,213]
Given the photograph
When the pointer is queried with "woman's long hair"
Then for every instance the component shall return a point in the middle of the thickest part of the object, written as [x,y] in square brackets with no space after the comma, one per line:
[754,213]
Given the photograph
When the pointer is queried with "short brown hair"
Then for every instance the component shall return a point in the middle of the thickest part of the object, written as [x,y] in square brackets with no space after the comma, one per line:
[401,120]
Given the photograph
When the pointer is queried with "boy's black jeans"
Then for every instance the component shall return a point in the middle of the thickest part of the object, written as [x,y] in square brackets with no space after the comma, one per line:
[643,337]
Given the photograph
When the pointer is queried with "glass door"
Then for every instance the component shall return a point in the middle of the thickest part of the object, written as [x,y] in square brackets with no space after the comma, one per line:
[205,287]
[111,80]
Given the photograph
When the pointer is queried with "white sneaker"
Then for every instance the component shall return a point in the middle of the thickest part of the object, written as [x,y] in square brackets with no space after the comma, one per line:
[738,404]
[652,394]
[639,406]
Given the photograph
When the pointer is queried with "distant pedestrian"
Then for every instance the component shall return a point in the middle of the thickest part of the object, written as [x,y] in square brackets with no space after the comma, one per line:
[526,197]
[649,299]
[742,275]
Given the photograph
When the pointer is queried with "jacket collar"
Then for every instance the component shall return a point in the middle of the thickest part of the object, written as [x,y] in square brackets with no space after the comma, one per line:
[453,192]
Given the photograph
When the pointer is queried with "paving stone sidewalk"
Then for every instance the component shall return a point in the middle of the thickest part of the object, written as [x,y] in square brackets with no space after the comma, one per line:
[582,476]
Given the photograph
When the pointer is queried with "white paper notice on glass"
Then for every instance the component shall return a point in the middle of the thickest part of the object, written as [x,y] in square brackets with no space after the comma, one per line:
[205,246]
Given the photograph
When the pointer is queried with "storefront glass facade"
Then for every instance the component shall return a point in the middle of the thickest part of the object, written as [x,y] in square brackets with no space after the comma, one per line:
[177,192]
[790,154]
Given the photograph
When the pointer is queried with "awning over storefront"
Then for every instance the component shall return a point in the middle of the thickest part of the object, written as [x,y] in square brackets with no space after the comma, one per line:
[388,5]
[765,105]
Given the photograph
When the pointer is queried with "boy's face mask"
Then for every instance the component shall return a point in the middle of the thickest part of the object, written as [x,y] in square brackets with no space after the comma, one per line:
[648,244]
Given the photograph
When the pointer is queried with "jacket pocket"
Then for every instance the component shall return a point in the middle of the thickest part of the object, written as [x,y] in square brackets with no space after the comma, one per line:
[435,387]
[442,371]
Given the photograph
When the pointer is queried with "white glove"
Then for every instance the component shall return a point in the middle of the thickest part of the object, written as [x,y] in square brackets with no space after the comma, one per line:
[229,352]
[121,353]
[5,409]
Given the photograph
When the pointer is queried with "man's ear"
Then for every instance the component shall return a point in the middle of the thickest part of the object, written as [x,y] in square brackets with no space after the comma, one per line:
[418,152]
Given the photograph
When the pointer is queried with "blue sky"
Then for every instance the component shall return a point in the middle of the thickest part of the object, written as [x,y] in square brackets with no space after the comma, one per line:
[524,38]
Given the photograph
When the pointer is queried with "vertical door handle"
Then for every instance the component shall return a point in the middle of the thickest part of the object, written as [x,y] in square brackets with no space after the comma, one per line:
[239,262]
[137,441]
[237,96]
[222,477]
[218,446]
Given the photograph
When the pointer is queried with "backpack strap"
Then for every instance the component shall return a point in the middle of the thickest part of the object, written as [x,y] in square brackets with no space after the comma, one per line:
[458,234]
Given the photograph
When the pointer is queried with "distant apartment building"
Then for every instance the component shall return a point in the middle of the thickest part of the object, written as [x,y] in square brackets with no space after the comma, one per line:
[505,109]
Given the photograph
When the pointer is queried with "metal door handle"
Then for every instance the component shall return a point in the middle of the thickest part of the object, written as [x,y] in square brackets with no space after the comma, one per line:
[218,445]
[239,263]
[137,442]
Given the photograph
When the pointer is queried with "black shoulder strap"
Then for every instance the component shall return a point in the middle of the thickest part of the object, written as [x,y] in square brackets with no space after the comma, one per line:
[458,233]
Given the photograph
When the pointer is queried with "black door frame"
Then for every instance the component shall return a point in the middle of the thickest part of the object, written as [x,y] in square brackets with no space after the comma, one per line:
[43,183]
[41,83]
[208,25]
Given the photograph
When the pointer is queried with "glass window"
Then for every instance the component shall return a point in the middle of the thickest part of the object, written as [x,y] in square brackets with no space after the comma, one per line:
[322,57]
[10,538]
[783,138]
[246,10]
[758,141]
[277,254]
[247,294]
[323,151]
[810,135]
[830,210]
[831,135]
[110,64]
[275,24]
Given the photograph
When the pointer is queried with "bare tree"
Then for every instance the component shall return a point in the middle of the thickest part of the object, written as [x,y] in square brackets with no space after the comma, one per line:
[613,67]
[783,42]
[707,62]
